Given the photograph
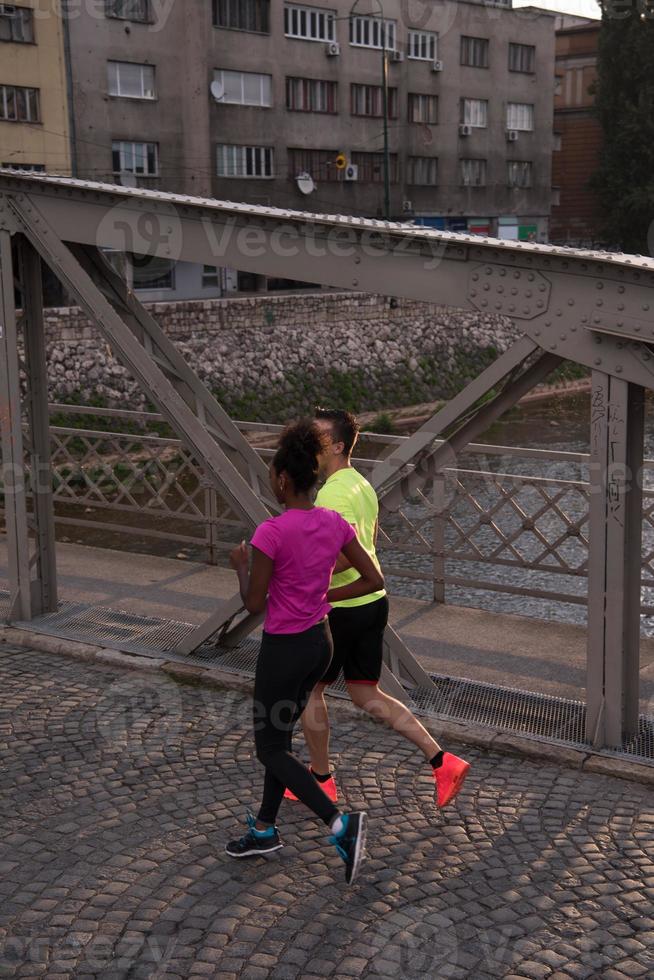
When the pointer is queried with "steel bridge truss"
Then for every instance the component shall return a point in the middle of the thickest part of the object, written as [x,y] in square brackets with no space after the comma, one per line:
[596,309]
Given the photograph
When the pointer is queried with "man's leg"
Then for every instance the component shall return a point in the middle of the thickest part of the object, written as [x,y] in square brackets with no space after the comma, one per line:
[394,714]
[315,724]
[362,672]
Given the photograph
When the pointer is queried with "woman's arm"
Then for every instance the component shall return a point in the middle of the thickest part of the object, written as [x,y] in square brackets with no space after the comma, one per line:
[253,583]
[371,579]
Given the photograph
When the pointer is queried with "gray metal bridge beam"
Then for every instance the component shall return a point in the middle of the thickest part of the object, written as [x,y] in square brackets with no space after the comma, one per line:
[614,566]
[596,309]
[13,469]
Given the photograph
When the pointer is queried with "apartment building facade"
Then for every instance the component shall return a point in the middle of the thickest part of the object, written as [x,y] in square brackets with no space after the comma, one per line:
[34,112]
[578,136]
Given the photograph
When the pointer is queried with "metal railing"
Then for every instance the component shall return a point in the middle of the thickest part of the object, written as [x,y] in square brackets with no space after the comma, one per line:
[476,526]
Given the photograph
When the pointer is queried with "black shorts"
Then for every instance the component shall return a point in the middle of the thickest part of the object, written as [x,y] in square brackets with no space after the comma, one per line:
[358,634]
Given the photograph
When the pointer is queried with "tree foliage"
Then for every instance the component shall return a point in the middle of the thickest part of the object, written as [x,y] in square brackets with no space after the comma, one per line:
[625,107]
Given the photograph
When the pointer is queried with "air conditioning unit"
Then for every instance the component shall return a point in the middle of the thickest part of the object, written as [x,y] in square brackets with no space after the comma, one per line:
[407,207]
[397,56]
[351,172]
[465,129]
[437,66]
[333,49]
[512,135]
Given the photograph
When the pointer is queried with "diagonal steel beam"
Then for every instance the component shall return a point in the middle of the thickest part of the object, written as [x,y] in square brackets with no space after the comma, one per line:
[220,470]
[406,452]
[196,395]
[402,482]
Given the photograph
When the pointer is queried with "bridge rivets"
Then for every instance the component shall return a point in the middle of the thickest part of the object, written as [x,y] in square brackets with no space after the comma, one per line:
[618,369]
[598,361]
[599,285]
[571,302]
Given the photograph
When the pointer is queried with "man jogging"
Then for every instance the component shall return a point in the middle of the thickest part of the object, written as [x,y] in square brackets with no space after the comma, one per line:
[357,625]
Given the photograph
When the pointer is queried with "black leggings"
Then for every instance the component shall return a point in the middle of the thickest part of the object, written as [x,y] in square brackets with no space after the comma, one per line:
[289,667]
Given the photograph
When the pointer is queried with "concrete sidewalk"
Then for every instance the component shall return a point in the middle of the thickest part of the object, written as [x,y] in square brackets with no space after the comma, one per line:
[119,793]
[508,651]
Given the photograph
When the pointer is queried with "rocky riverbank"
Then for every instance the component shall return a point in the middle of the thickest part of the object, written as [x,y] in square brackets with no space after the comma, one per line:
[271,357]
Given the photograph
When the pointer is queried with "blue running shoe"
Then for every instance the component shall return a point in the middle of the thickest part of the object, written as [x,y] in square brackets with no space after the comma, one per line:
[255,841]
[350,843]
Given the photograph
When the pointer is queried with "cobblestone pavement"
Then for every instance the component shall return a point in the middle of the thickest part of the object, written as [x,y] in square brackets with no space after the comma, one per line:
[119,791]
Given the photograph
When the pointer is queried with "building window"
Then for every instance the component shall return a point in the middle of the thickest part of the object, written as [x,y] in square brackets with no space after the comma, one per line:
[368,100]
[522,57]
[242,15]
[309,23]
[141,159]
[244,161]
[422,171]
[520,115]
[19,104]
[423,108]
[422,45]
[152,272]
[16,24]
[474,112]
[474,52]
[130,81]
[371,167]
[210,277]
[244,87]
[136,10]
[518,173]
[310,95]
[34,168]
[472,173]
[373,32]
[320,164]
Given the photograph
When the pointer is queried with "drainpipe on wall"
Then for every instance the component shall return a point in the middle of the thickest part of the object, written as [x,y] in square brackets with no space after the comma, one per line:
[69,88]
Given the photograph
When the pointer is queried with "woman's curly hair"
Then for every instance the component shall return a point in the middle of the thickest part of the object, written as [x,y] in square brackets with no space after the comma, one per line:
[300,445]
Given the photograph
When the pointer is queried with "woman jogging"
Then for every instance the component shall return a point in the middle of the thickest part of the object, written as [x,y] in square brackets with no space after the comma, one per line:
[293,557]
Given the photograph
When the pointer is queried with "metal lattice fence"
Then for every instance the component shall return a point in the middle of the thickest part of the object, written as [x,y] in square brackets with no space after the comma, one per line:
[522,533]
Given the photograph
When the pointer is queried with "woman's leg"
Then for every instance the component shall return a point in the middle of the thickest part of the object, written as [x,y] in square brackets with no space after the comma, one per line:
[287,671]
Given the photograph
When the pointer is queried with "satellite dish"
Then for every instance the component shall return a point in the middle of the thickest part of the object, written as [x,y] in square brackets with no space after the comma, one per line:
[218,91]
[305,183]
[127,178]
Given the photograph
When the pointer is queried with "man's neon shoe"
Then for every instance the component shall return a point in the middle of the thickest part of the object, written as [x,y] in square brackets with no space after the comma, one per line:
[328,787]
[351,843]
[449,778]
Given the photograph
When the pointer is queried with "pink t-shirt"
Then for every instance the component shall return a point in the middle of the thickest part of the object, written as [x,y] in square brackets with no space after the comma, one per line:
[304,546]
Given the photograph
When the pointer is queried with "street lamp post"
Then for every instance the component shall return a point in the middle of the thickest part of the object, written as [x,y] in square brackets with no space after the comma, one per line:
[387,181]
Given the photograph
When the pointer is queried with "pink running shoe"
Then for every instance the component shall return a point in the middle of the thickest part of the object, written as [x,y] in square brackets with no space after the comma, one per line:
[449,778]
[328,787]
